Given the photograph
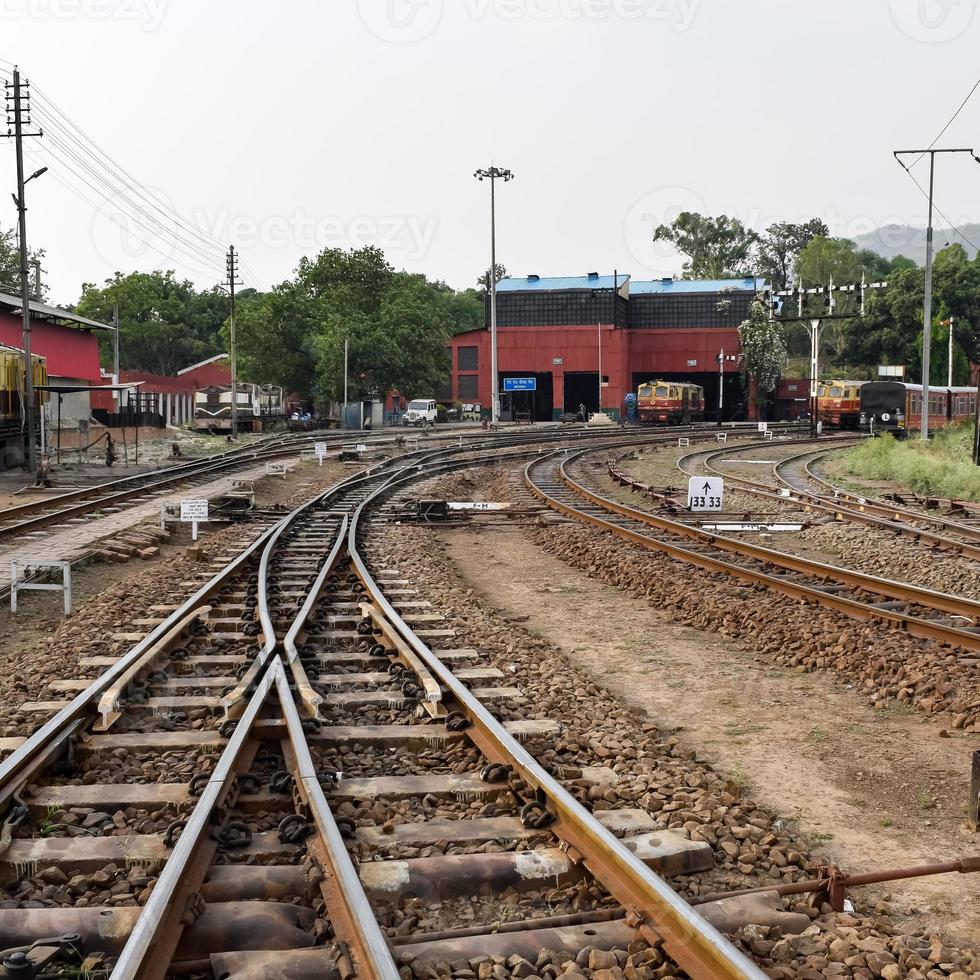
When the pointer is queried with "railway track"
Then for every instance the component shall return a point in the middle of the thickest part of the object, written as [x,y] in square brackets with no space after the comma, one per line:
[794,482]
[220,800]
[560,480]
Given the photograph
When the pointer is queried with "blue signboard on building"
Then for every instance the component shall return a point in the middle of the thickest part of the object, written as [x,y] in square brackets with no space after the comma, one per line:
[520,384]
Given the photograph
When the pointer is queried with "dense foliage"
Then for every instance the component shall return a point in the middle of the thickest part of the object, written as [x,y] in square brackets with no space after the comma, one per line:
[164,324]
[397,326]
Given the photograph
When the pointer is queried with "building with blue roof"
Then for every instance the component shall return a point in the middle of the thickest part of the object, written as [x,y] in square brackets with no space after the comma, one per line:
[552,332]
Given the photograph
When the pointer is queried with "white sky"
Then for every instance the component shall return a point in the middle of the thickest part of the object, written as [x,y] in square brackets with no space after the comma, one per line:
[288,127]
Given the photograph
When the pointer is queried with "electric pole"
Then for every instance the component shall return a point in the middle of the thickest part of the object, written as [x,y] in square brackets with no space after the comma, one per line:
[927,298]
[232,267]
[493,174]
[36,262]
[19,93]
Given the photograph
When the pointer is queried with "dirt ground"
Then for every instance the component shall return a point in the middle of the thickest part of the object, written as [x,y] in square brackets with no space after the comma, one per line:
[873,789]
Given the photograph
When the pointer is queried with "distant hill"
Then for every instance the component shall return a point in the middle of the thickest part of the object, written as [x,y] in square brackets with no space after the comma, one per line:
[892,240]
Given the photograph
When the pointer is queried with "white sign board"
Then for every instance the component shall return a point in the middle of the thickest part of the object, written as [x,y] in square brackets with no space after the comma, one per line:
[705,493]
[320,448]
[192,511]
[763,426]
[477,505]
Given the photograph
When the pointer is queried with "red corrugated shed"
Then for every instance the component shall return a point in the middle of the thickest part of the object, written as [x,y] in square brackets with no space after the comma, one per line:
[69,352]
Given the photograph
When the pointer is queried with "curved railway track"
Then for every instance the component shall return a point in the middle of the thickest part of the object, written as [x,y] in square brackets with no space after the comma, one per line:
[197,787]
[559,481]
[796,477]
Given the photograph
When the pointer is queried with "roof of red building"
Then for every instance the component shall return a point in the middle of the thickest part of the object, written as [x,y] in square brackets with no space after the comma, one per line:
[41,311]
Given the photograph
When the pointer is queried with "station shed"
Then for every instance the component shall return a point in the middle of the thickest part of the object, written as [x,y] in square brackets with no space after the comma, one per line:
[69,343]
[553,333]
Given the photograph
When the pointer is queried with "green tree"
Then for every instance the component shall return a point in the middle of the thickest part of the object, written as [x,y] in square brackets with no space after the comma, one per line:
[777,249]
[10,264]
[717,248]
[763,349]
[397,327]
[484,281]
[164,323]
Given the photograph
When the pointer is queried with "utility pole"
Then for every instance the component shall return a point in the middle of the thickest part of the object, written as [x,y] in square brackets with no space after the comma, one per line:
[927,299]
[231,264]
[116,395]
[343,412]
[22,118]
[493,174]
[37,278]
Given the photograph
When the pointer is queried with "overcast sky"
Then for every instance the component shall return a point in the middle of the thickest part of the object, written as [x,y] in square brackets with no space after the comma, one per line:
[285,128]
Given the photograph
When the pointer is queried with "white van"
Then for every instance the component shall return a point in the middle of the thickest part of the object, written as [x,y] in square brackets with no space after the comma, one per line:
[420,411]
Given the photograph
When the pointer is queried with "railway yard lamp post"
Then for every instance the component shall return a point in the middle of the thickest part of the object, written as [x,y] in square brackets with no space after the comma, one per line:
[493,174]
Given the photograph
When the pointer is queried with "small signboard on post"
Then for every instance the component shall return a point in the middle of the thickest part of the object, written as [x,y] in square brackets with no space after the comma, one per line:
[193,512]
[705,493]
[320,451]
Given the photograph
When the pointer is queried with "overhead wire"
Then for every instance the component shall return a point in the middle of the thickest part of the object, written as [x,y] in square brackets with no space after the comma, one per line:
[134,201]
[952,119]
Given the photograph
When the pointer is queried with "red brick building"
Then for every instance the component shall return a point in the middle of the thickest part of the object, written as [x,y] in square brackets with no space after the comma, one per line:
[556,330]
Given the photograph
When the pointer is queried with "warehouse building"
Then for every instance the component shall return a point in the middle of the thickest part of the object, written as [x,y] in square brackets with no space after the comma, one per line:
[553,334]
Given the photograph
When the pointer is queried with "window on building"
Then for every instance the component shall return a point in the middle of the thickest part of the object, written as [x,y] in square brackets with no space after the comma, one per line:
[469,387]
[466,358]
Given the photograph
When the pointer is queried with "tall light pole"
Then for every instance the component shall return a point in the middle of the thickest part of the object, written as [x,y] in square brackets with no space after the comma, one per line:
[927,299]
[231,266]
[493,174]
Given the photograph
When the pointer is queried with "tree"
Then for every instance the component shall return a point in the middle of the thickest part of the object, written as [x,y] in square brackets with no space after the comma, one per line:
[824,259]
[717,248]
[10,264]
[484,281]
[164,324]
[763,349]
[397,327]
[777,249]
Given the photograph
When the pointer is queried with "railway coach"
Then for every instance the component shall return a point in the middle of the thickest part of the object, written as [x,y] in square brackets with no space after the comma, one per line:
[670,402]
[896,407]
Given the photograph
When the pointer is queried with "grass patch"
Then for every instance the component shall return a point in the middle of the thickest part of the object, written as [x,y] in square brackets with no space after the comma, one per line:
[816,735]
[734,731]
[942,467]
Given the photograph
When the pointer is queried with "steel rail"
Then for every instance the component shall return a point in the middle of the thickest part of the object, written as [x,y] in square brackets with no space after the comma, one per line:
[18,766]
[163,913]
[891,509]
[941,601]
[863,512]
[351,914]
[914,625]
[659,913]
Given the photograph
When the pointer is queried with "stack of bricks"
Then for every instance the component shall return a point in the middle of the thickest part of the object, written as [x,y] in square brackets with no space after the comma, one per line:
[142,541]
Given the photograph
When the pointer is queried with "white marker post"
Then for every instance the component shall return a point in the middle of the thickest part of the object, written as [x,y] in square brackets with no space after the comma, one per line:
[192,512]
[320,449]
[705,493]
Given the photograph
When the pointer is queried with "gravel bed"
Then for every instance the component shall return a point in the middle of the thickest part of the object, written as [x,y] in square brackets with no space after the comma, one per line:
[659,773]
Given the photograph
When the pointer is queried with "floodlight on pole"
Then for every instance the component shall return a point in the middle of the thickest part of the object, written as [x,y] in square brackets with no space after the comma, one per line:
[493,174]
